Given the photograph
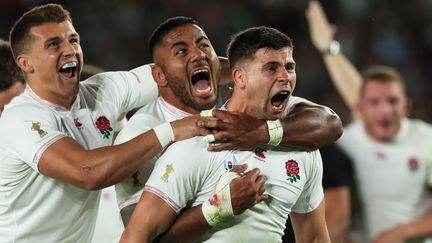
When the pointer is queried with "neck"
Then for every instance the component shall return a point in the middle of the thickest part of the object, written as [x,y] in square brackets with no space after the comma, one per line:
[173,100]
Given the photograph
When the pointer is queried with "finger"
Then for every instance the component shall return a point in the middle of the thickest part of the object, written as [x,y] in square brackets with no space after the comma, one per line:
[204,131]
[222,136]
[204,122]
[220,147]
[225,116]
[261,198]
[239,168]
[252,175]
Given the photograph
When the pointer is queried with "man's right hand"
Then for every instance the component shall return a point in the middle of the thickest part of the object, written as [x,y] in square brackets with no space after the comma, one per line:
[247,190]
[187,127]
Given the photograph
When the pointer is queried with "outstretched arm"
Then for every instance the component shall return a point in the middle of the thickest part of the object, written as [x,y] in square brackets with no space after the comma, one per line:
[307,126]
[344,75]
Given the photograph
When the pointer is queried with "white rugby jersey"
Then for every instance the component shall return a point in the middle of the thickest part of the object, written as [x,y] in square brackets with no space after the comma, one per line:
[186,175]
[392,177]
[159,111]
[37,208]
[129,190]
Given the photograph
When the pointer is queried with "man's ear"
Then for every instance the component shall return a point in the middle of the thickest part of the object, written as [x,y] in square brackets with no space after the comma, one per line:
[24,62]
[239,77]
[159,76]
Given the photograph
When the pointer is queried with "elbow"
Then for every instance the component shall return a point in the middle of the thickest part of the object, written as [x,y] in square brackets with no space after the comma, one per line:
[336,127]
[89,179]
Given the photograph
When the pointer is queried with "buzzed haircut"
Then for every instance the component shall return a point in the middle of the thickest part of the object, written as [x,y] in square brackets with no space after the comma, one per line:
[165,27]
[10,73]
[383,74]
[20,37]
[246,43]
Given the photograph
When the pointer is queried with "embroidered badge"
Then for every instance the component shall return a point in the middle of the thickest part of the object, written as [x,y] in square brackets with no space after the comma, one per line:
[230,163]
[78,124]
[103,124]
[36,127]
[292,170]
[413,164]
[260,153]
[168,170]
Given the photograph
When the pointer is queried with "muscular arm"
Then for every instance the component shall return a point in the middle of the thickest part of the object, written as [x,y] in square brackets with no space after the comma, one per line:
[307,126]
[310,227]
[343,74]
[67,160]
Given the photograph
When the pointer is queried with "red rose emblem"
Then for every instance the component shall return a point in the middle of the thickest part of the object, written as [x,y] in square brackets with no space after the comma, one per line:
[102,123]
[260,153]
[413,164]
[104,126]
[291,167]
[292,170]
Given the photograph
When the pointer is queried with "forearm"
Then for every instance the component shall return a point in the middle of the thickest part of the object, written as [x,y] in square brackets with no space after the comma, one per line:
[189,226]
[418,228]
[94,169]
[311,128]
[345,77]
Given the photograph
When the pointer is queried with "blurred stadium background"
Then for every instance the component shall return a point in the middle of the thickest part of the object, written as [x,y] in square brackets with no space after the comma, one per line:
[114,35]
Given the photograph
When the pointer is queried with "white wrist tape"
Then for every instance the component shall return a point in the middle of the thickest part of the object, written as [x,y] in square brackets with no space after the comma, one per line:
[275,130]
[209,138]
[165,134]
[218,209]
[206,113]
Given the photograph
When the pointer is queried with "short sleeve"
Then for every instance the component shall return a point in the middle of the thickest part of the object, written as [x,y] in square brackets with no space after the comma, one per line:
[312,193]
[179,173]
[125,89]
[27,131]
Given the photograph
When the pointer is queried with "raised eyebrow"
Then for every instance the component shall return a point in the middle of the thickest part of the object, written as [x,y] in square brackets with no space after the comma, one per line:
[75,35]
[201,38]
[179,43]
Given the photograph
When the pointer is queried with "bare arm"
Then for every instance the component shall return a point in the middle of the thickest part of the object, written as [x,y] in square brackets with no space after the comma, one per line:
[310,227]
[93,169]
[344,75]
[337,208]
[419,228]
[153,213]
[307,126]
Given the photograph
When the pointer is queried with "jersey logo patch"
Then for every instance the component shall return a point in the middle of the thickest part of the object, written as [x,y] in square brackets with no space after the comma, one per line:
[168,170]
[78,124]
[104,126]
[230,163]
[36,127]
[259,152]
[292,170]
[413,164]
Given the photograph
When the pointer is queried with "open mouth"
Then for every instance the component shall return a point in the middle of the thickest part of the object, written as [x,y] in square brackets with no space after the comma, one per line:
[69,70]
[278,99]
[201,81]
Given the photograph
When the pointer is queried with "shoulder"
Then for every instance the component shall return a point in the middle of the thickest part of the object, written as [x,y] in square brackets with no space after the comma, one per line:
[143,120]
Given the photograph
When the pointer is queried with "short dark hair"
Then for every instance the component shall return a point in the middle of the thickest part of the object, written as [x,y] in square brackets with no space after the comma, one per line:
[246,43]
[382,74]
[10,73]
[19,36]
[167,26]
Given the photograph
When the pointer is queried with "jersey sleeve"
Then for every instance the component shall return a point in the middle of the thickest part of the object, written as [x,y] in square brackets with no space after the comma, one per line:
[312,193]
[125,89]
[138,124]
[28,132]
[179,173]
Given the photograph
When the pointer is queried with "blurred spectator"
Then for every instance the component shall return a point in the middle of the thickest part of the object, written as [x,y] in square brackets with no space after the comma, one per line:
[390,152]
[12,81]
